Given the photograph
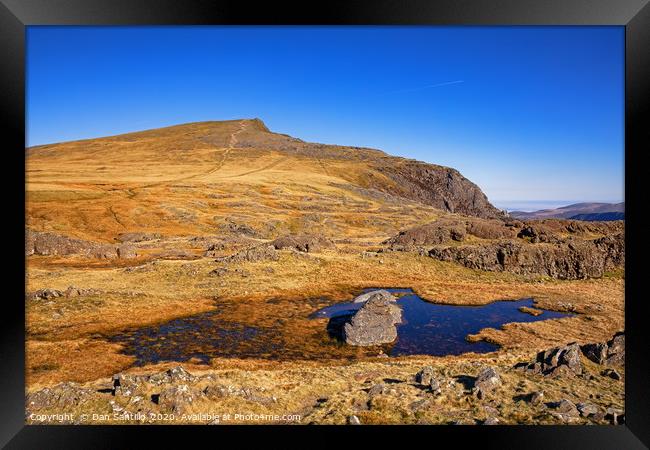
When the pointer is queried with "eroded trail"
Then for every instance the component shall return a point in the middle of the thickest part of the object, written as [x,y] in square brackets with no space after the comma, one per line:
[231,144]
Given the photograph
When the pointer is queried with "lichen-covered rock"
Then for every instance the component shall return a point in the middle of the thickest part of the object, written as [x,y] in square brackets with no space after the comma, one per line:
[374,323]
[176,398]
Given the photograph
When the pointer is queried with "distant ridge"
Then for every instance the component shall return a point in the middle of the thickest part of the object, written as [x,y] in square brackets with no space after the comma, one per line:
[578,211]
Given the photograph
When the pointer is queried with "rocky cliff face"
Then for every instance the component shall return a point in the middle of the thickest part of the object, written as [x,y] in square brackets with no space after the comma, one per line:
[441,187]
[438,186]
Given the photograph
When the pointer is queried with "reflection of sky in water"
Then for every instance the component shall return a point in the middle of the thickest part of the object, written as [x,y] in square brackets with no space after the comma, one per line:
[432,329]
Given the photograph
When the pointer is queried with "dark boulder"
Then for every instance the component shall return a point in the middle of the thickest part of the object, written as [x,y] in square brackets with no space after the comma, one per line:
[611,353]
[556,362]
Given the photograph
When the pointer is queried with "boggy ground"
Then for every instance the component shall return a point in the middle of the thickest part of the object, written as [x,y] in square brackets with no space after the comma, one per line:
[210,190]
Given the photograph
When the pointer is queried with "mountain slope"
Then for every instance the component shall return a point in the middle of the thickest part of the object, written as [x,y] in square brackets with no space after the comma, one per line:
[193,178]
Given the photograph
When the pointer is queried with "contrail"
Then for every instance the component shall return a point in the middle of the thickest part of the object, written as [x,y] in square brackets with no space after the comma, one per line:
[446,83]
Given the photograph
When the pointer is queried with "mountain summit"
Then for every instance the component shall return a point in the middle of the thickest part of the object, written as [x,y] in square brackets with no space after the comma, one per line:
[115,182]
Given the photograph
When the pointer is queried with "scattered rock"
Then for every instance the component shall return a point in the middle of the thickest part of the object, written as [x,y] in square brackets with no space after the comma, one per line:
[595,352]
[566,407]
[303,242]
[587,409]
[536,397]
[258,253]
[377,389]
[616,350]
[611,353]
[611,373]
[73,291]
[615,416]
[353,420]
[435,387]
[238,228]
[488,379]
[44,294]
[565,410]
[558,361]
[426,377]
[374,323]
[491,421]
[419,405]
[219,271]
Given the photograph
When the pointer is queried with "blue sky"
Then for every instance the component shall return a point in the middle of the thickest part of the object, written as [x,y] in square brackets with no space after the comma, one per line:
[531,114]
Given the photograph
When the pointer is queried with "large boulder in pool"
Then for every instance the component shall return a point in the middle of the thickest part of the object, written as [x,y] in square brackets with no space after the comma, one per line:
[374,323]
[379,293]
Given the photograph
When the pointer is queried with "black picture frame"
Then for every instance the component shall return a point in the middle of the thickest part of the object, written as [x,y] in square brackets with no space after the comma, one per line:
[15,15]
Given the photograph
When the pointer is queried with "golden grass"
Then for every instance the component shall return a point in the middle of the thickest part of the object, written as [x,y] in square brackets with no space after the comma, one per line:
[189,181]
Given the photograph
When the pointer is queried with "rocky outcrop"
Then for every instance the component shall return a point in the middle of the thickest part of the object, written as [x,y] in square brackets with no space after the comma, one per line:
[374,323]
[611,353]
[569,259]
[441,187]
[537,233]
[558,361]
[449,229]
[303,242]
[71,291]
[433,233]
[52,244]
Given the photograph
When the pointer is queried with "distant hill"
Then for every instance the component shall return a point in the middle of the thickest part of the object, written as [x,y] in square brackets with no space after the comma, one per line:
[600,216]
[188,179]
[577,211]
